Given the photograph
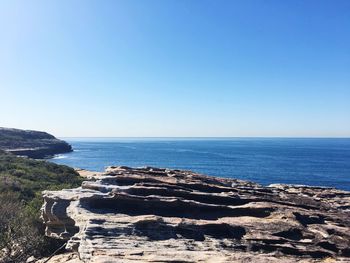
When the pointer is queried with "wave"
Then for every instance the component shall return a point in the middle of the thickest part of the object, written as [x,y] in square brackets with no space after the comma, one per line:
[60,156]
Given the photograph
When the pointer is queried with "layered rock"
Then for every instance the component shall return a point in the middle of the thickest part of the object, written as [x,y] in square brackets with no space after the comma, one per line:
[33,144]
[161,215]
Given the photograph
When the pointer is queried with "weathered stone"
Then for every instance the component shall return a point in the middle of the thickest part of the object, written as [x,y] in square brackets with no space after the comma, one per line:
[161,215]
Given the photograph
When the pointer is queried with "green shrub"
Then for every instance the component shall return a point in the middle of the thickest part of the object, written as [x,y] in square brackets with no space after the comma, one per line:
[21,182]
[19,235]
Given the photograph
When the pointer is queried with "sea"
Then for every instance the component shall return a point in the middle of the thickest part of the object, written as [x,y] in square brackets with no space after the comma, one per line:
[305,161]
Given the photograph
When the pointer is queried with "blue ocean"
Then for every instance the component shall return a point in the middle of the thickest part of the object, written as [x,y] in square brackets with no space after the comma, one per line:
[318,162]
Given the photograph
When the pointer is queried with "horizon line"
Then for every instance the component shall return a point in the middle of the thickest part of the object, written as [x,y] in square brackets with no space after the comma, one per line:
[209,137]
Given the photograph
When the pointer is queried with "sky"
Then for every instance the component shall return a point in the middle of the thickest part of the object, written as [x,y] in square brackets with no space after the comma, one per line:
[171,68]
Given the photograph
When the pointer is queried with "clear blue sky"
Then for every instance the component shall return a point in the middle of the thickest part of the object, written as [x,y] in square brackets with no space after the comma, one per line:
[176,68]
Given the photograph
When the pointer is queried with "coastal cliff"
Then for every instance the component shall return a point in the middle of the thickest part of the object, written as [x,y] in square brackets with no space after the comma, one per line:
[162,215]
[33,144]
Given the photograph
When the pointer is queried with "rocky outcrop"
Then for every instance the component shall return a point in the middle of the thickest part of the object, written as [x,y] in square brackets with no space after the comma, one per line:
[33,144]
[161,215]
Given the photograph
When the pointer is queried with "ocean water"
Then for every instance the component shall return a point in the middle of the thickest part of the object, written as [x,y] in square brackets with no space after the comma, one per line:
[319,162]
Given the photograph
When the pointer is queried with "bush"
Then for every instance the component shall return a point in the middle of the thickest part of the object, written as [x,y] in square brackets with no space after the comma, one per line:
[19,236]
[21,182]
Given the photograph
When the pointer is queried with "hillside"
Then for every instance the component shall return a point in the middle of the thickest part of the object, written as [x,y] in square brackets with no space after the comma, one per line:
[34,144]
[21,182]
[27,177]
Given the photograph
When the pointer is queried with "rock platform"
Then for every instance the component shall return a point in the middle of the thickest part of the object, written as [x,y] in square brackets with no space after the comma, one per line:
[162,215]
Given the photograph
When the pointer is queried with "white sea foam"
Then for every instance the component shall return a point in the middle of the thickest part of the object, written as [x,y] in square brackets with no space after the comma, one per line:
[60,156]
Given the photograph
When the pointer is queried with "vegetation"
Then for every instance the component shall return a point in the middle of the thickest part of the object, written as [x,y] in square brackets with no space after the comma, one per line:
[34,144]
[12,138]
[21,182]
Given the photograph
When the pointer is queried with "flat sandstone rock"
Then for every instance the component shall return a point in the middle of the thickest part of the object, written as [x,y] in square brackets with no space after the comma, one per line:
[161,215]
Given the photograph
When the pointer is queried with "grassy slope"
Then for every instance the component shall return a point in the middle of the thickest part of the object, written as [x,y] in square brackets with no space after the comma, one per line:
[21,182]
[29,177]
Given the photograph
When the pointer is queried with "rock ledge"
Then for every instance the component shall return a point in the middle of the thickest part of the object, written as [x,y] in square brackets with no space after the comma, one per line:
[161,215]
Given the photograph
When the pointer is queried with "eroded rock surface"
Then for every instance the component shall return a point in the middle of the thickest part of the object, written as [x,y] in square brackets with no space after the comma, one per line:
[161,215]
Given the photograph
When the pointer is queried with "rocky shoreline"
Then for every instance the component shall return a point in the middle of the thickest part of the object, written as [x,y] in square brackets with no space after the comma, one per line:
[162,215]
[33,144]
